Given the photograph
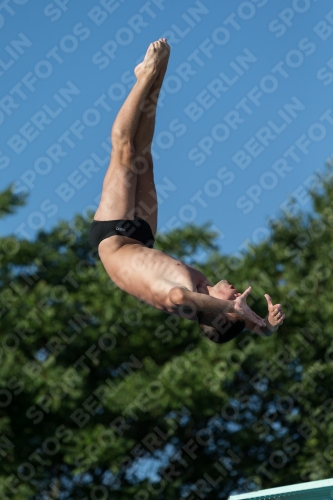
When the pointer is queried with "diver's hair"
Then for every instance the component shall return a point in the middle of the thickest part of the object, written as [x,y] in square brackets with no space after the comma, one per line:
[219,329]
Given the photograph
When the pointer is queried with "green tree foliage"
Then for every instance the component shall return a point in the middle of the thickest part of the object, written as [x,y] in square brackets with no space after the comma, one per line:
[9,202]
[103,397]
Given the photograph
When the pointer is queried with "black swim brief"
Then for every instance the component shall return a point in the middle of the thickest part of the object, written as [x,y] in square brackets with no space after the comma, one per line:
[138,229]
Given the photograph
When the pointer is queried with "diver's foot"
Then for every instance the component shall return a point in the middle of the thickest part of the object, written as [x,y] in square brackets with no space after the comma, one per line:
[155,59]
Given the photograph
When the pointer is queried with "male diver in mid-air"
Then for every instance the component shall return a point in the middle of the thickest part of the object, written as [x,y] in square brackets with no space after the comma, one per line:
[125,223]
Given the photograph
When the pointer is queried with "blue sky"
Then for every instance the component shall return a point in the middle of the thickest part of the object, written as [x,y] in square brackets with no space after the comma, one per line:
[245,119]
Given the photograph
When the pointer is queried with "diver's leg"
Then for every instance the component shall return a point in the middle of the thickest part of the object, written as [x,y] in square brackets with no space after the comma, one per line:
[145,195]
[119,187]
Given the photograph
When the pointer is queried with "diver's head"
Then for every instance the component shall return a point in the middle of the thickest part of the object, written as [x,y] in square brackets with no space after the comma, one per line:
[223,290]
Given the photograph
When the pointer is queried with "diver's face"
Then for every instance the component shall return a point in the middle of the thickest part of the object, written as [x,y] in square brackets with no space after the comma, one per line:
[225,291]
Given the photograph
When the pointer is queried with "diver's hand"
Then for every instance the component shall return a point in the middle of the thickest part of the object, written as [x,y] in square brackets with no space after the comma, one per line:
[275,314]
[241,308]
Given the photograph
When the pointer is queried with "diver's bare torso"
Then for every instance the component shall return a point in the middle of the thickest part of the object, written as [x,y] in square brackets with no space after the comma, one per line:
[148,274]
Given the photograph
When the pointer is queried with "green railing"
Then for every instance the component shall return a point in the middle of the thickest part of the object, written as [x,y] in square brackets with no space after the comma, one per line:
[315,490]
